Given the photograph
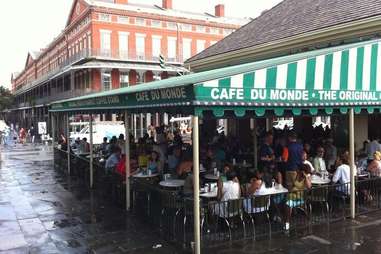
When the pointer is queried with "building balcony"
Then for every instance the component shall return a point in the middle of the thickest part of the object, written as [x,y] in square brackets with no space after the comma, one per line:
[100,54]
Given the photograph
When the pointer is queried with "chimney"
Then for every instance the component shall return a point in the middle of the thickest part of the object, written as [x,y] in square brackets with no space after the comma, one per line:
[219,10]
[167,4]
[121,1]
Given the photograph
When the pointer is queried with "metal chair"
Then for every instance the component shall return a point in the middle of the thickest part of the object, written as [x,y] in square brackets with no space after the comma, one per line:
[254,206]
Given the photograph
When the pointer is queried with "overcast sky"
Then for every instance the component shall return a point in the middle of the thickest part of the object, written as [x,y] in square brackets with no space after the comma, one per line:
[29,25]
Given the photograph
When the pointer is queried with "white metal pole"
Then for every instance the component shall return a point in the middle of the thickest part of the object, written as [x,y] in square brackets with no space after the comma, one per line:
[91,152]
[141,125]
[135,127]
[68,142]
[196,186]
[352,161]
[127,146]
[255,143]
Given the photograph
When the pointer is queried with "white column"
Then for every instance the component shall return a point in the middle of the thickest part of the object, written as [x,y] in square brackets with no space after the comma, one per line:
[91,152]
[269,124]
[157,119]
[68,142]
[135,129]
[352,161]
[141,125]
[148,121]
[165,118]
[196,186]
[127,148]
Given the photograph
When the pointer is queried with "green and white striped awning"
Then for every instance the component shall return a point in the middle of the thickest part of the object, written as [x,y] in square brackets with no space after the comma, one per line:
[328,80]
[347,77]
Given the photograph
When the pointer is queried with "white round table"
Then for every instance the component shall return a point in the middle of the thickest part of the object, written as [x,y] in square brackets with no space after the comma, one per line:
[277,189]
[141,175]
[211,177]
[172,183]
[317,180]
[211,194]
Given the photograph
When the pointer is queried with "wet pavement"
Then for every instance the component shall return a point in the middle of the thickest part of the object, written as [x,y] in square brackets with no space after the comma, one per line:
[43,211]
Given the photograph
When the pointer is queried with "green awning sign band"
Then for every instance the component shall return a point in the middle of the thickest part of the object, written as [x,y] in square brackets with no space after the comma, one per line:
[347,76]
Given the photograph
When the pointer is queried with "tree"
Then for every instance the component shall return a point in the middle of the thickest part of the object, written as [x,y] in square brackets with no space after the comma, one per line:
[6,98]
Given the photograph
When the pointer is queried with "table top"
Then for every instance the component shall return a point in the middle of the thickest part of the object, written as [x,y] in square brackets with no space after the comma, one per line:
[277,189]
[211,177]
[172,183]
[211,194]
[365,174]
[319,180]
[141,175]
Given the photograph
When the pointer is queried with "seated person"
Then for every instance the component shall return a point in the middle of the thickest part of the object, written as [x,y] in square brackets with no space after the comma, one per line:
[342,175]
[153,163]
[307,162]
[258,187]
[121,167]
[142,157]
[113,160]
[296,196]
[319,163]
[374,167]
[227,168]
[229,190]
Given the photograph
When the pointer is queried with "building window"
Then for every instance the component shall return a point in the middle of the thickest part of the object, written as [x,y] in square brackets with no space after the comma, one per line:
[187,48]
[171,25]
[105,43]
[124,79]
[155,23]
[105,17]
[140,21]
[200,45]
[227,31]
[172,49]
[123,45]
[214,30]
[106,80]
[123,20]
[186,27]
[140,46]
[156,47]
[200,29]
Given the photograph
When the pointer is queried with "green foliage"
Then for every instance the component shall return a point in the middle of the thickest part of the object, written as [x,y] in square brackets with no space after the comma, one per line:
[6,98]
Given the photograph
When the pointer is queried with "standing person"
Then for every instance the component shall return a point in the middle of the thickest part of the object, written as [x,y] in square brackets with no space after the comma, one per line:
[22,135]
[330,154]
[121,143]
[295,153]
[374,146]
[266,152]
[32,133]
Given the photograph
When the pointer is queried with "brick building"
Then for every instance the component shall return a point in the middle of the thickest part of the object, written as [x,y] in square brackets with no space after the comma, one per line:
[108,44]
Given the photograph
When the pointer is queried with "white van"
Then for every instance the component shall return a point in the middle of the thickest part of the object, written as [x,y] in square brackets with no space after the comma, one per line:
[100,130]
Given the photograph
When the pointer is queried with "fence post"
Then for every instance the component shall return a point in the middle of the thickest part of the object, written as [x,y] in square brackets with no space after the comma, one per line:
[352,162]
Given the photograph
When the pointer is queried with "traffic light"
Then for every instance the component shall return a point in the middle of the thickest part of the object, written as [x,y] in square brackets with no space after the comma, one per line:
[162,61]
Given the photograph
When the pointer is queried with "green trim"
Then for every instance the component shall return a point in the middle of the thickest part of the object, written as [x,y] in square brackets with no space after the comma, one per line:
[359,68]
[344,70]
[271,77]
[291,75]
[373,68]
[328,72]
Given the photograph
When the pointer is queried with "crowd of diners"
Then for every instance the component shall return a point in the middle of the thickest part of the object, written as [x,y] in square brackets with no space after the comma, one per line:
[283,160]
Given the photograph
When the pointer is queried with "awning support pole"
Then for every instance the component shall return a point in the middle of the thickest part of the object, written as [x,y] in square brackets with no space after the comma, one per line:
[255,144]
[53,130]
[68,142]
[196,186]
[352,161]
[91,152]
[127,148]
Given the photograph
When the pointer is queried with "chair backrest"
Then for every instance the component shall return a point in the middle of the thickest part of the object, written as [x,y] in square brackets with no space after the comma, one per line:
[261,202]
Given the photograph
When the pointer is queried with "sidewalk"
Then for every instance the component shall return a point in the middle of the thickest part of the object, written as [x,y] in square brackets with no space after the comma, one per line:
[43,212]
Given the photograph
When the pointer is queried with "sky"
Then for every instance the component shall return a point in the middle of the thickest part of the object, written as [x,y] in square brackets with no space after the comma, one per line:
[29,25]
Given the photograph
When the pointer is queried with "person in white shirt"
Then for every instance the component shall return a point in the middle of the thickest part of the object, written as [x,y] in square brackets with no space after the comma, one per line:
[373,147]
[307,162]
[343,175]
[226,191]
[319,163]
